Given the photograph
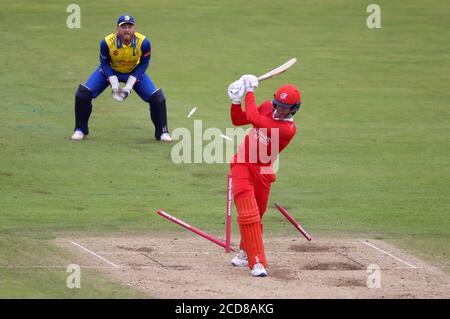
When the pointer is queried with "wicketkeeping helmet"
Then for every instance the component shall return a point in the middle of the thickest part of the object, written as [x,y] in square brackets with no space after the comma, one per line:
[288,96]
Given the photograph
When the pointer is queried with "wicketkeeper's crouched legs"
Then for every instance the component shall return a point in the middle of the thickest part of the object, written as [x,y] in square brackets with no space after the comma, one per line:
[158,113]
[83,108]
[249,221]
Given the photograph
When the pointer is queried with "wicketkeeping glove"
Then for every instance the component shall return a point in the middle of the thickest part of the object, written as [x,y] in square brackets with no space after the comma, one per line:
[125,92]
[236,91]
[114,81]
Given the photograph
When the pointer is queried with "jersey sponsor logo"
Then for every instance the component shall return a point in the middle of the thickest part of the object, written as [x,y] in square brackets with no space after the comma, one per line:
[116,52]
[126,62]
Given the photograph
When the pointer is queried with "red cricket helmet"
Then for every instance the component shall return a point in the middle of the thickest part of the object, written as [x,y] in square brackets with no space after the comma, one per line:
[288,96]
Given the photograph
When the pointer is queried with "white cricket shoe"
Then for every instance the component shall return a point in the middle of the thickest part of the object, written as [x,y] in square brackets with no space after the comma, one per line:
[77,136]
[240,260]
[258,270]
[165,137]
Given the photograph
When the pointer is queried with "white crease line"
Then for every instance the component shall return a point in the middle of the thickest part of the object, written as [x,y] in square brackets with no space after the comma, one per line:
[82,267]
[196,268]
[53,267]
[202,253]
[386,253]
[135,253]
[91,252]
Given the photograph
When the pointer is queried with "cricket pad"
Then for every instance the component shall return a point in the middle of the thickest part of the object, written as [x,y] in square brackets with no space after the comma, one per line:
[250,227]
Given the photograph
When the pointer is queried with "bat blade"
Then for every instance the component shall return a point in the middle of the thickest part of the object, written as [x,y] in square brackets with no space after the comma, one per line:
[277,71]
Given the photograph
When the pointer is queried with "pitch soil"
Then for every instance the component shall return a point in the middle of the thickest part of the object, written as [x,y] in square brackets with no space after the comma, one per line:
[191,267]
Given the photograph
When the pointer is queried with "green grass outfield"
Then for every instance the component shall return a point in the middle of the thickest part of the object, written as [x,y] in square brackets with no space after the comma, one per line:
[370,160]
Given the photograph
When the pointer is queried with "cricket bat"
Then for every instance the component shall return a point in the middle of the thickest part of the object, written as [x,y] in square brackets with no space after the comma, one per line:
[277,71]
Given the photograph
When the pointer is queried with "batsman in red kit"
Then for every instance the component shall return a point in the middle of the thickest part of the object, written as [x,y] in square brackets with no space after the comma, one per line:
[252,166]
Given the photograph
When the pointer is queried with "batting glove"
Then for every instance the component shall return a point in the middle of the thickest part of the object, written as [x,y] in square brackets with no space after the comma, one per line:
[250,82]
[236,91]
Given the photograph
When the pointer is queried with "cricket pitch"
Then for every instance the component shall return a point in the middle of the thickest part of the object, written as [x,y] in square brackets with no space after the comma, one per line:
[183,266]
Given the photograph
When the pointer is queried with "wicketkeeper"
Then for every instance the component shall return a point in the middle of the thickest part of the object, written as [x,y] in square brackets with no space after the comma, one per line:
[124,57]
[252,165]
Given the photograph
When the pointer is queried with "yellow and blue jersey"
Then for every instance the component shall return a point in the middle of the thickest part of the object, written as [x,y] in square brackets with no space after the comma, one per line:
[133,59]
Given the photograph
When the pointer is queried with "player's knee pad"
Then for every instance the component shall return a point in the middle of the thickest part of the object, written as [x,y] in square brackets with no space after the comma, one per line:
[157,98]
[248,212]
[243,191]
[83,93]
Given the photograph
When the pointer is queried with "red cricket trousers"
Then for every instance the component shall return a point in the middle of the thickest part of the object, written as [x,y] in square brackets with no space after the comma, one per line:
[251,192]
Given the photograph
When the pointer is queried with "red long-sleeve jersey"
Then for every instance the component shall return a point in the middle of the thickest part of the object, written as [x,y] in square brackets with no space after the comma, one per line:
[267,138]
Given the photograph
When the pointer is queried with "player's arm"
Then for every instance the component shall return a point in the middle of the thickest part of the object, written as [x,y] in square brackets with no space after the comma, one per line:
[238,116]
[251,111]
[145,59]
[105,59]
[105,63]
[253,116]
[235,92]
